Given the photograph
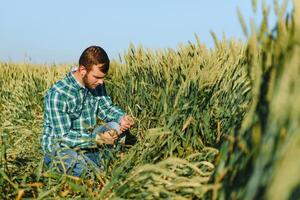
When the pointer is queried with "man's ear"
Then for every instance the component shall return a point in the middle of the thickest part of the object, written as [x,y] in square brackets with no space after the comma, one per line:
[82,70]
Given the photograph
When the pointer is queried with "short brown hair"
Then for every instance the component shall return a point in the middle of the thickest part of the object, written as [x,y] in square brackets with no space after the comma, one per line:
[94,55]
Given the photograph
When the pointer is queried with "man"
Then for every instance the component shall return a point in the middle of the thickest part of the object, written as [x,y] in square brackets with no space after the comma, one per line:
[73,106]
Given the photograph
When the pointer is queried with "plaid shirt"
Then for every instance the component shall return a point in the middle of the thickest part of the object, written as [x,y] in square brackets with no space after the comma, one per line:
[70,109]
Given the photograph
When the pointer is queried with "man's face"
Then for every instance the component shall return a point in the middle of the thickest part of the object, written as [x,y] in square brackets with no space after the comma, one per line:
[94,77]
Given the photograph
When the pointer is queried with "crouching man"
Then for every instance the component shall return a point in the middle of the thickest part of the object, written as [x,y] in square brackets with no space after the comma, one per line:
[75,103]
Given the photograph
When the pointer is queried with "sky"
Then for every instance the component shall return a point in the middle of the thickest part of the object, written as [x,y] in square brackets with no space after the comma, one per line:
[57,31]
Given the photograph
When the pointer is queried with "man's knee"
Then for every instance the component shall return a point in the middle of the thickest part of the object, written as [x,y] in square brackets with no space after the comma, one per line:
[108,126]
[114,125]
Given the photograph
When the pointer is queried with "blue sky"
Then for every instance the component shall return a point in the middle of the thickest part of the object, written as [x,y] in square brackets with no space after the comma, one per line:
[57,31]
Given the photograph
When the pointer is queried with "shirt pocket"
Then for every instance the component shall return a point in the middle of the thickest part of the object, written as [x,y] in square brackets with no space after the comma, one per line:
[75,109]
[93,103]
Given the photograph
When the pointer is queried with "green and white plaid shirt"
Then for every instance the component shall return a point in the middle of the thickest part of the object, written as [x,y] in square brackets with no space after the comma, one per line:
[70,109]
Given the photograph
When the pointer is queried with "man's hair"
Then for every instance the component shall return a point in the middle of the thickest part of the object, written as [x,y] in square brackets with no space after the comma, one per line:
[94,55]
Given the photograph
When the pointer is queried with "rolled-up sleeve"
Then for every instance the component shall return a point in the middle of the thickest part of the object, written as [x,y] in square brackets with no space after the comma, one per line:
[109,112]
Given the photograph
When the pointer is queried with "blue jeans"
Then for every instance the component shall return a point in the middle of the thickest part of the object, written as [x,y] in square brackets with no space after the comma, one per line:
[83,161]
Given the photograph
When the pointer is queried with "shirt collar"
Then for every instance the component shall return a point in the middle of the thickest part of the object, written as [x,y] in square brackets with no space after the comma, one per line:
[73,80]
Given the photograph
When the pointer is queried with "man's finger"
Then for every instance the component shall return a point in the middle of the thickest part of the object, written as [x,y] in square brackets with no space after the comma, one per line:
[104,140]
[126,126]
[109,141]
[109,136]
[113,133]
[123,129]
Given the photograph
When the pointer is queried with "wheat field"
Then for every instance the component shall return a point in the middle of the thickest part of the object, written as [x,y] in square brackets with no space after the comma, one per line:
[220,123]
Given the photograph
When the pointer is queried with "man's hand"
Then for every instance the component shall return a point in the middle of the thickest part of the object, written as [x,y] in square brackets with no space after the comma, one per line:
[126,123]
[108,137]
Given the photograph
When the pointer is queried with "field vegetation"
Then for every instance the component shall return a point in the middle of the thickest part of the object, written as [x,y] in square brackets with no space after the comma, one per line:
[221,123]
